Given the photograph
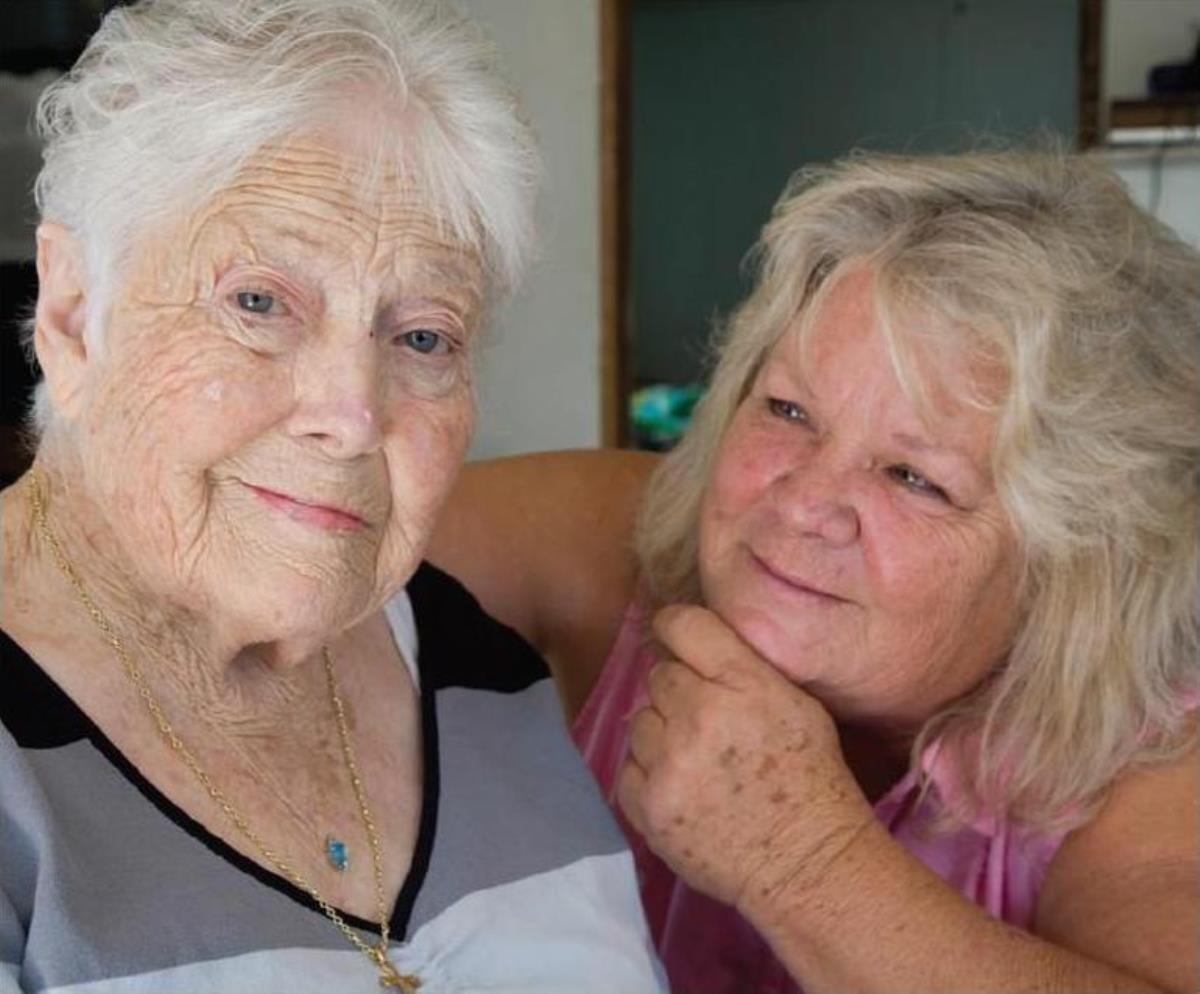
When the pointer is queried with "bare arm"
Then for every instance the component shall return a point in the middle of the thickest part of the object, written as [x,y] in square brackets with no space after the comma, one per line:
[1126,888]
[544,542]
[737,779]
[1118,911]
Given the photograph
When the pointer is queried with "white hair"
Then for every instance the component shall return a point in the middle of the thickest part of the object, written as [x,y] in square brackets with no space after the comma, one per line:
[171,97]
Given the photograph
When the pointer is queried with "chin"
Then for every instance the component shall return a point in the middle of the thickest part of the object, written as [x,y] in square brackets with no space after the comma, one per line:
[288,607]
[783,649]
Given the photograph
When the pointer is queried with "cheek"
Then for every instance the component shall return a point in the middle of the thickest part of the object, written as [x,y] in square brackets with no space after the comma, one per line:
[958,589]
[427,444]
[916,576]
[748,462]
[425,448]
[190,402]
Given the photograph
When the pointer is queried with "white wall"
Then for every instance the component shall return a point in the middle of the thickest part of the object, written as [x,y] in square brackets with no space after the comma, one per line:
[540,378]
[1165,183]
[1139,34]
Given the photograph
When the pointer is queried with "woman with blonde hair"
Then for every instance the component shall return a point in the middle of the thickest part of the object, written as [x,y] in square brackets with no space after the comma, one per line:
[896,686]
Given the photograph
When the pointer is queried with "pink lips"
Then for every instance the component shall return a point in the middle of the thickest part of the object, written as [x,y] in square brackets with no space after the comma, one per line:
[317,515]
[794,584]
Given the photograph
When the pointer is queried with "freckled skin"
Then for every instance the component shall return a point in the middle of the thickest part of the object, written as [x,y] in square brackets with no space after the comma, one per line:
[321,400]
[929,586]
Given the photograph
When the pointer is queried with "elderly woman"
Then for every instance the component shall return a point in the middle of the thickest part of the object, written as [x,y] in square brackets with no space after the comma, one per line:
[237,754]
[925,575]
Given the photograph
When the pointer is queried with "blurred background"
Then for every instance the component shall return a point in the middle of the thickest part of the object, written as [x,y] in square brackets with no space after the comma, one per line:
[669,127]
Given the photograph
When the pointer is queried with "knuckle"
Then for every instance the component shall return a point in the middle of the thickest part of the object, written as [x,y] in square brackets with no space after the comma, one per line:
[661,812]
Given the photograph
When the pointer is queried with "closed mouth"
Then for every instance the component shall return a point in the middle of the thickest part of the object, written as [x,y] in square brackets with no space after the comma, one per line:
[324,516]
[794,582]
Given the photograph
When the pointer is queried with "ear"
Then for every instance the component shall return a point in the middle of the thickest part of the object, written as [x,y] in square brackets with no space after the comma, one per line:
[60,315]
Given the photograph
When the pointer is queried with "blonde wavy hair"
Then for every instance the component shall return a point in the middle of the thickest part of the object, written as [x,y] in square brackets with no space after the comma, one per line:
[1040,263]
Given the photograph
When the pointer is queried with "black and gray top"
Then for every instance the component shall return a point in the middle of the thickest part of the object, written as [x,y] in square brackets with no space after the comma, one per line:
[520,883]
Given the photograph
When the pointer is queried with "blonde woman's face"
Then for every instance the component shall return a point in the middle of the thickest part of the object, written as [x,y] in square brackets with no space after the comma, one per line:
[860,549]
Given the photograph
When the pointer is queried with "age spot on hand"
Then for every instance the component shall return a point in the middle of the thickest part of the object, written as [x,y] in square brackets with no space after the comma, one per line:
[766,766]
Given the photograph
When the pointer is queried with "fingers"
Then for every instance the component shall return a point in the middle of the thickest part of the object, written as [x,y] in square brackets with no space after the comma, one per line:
[703,640]
[647,732]
[671,685]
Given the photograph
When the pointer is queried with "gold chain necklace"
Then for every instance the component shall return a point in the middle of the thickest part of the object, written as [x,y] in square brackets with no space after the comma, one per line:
[389,976]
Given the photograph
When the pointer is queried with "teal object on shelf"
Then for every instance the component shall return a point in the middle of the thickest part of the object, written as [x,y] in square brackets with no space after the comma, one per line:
[662,412]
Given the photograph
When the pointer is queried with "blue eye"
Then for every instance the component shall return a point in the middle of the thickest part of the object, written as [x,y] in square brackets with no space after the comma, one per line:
[426,342]
[255,301]
[908,477]
[787,410]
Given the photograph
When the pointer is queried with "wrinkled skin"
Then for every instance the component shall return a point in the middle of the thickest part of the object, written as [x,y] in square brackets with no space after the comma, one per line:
[296,342]
[735,775]
[855,564]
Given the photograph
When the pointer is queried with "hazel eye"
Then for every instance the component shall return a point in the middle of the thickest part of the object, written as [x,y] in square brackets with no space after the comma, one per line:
[787,410]
[426,341]
[908,477]
[256,301]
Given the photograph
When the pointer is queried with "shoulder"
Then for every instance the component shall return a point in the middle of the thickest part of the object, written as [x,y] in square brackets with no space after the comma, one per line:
[545,542]
[579,497]
[1125,887]
[460,644]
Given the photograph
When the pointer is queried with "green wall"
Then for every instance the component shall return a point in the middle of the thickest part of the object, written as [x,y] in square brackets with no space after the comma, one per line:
[732,96]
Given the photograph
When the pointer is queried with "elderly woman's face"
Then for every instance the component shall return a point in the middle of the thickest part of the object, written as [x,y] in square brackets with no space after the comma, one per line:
[284,394]
[861,550]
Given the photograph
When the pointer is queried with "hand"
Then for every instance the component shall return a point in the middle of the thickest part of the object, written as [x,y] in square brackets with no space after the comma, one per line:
[735,776]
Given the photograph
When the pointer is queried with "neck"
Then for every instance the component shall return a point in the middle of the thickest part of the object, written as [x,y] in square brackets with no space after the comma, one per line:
[878,758]
[183,652]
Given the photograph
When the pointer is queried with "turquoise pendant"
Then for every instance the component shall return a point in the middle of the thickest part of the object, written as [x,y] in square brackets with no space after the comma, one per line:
[337,853]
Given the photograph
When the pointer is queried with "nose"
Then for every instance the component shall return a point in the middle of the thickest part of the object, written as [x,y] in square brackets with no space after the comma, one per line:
[337,400]
[816,499]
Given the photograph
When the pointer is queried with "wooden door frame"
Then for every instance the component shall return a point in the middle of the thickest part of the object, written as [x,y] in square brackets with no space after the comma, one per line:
[615,172]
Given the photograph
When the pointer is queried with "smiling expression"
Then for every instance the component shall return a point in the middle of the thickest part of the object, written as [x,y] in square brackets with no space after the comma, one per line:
[859,547]
[284,394]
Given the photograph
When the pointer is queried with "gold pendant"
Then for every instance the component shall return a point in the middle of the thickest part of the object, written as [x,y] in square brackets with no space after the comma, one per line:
[389,976]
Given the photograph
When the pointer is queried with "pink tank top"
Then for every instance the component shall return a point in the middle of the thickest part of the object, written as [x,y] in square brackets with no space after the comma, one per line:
[707,947]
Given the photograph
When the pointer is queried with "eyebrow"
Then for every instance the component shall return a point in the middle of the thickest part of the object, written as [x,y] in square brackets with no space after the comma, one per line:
[924,445]
[450,270]
[905,439]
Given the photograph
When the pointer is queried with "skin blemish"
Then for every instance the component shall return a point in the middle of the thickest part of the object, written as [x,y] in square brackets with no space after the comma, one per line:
[728,755]
[766,766]
[778,797]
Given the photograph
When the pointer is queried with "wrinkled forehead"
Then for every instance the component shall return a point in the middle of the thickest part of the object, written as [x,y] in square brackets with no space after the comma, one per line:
[940,357]
[324,204]
[354,189]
